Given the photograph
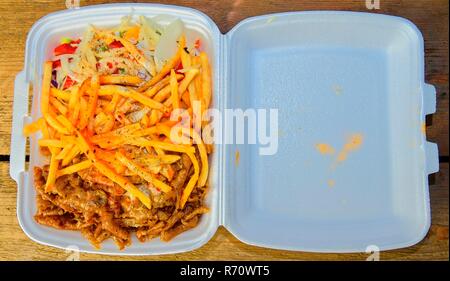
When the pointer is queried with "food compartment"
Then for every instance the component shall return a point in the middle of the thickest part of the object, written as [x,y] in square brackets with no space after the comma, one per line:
[350,170]
[43,37]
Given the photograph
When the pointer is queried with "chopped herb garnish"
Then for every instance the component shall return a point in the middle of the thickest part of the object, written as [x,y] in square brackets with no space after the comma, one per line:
[121,33]
[121,70]
[103,48]
[65,40]
[158,32]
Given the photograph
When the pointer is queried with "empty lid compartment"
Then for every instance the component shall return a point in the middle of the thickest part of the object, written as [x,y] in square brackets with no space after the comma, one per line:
[349,171]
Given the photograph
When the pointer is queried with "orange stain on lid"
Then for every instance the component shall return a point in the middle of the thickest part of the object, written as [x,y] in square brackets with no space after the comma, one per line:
[324,148]
[237,158]
[331,183]
[423,128]
[354,142]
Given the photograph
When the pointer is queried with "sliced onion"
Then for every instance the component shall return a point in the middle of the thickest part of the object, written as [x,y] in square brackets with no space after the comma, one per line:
[167,45]
[150,32]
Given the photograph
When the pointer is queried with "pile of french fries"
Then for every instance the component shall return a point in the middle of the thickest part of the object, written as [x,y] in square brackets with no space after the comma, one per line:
[82,123]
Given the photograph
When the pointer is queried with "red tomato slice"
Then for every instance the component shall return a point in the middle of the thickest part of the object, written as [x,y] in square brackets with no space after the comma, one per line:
[197,44]
[115,44]
[179,66]
[64,49]
[56,63]
[69,83]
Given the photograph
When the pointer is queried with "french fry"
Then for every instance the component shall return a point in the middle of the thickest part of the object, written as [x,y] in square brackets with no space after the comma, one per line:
[33,127]
[65,122]
[51,143]
[92,103]
[112,142]
[84,114]
[174,90]
[125,130]
[123,182]
[105,90]
[55,124]
[105,155]
[157,160]
[118,167]
[120,79]
[159,151]
[203,177]
[129,93]
[193,97]
[171,64]
[145,132]
[198,82]
[192,181]
[103,122]
[70,155]
[111,107]
[73,106]
[144,121]
[178,138]
[187,63]
[69,139]
[44,129]
[206,79]
[163,94]
[83,143]
[63,153]
[63,95]
[160,85]
[46,134]
[46,81]
[185,58]
[75,114]
[190,75]
[185,97]
[74,168]
[142,172]
[153,117]
[53,169]
[162,145]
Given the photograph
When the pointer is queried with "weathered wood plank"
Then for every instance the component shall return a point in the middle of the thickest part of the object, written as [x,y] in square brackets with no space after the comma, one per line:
[15,245]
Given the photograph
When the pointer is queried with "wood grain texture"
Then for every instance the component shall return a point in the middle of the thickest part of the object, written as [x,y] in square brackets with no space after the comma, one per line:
[431,17]
[15,245]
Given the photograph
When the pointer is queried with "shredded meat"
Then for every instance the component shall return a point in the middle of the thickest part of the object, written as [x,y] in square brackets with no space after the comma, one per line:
[100,209]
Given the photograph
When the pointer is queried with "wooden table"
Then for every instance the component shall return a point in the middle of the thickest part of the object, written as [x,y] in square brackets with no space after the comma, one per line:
[431,17]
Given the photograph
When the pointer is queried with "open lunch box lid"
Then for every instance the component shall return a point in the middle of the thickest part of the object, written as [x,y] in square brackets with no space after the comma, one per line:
[352,162]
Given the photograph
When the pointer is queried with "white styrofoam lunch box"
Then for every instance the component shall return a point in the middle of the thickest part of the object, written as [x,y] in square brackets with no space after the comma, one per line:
[329,74]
